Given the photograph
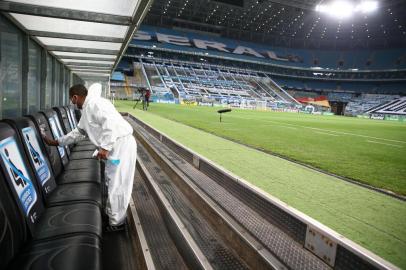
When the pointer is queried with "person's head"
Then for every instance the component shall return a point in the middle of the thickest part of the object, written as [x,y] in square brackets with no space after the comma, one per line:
[77,95]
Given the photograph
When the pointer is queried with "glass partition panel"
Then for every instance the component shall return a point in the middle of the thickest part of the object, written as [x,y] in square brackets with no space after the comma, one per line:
[10,74]
[34,77]
[57,82]
[48,88]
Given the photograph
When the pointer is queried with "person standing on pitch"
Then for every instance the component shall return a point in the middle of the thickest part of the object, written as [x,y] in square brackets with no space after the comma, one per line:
[112,134]
[147,95]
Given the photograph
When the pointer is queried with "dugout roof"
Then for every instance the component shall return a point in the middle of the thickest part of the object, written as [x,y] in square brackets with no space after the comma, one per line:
[87,36]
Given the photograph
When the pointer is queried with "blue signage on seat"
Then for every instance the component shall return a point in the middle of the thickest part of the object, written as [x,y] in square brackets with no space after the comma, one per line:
[18,174]
[57,134]
[41,167]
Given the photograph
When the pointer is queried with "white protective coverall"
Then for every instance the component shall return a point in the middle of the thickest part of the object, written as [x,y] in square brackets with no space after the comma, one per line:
[95,90]
[107,129]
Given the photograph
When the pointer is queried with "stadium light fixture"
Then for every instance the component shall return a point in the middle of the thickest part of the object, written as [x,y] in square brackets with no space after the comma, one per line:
[343,9]
[367,6]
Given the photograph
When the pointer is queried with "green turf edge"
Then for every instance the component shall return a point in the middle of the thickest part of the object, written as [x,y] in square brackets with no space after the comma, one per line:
[370,219]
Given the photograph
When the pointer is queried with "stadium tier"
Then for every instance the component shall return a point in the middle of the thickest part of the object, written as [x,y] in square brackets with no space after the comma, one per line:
[170,39]
[189,80]
[179,65]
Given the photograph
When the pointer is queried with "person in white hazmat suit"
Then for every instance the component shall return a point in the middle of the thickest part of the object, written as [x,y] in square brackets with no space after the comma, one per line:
[108,130]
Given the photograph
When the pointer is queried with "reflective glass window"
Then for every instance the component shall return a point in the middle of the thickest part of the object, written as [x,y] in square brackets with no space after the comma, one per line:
[57,82]
[10,74]
[49,86]
[34,77]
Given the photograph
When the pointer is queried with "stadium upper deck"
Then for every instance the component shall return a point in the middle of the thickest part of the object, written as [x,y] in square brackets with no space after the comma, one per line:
[175,40]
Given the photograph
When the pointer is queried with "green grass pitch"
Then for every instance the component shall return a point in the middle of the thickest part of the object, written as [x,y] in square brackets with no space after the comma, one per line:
[372,152]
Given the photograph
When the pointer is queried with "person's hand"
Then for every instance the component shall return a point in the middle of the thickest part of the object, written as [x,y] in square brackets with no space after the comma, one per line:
[103,154]
[50,141]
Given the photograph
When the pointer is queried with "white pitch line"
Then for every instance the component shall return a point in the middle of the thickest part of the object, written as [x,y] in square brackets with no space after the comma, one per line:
[322,129]
[394,145]
[325,133]
[288,127]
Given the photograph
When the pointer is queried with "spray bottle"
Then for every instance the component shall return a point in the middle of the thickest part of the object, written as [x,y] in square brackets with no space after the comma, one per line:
[112,160]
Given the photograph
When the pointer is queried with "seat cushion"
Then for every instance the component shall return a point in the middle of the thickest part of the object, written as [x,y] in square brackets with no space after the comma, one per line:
[81,252]
[74,193]
[60,221]
[84,148]
[81,155]
[79,176]
[87,164]
[84,142]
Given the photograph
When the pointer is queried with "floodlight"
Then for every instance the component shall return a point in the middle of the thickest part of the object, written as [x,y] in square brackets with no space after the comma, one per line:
[341,9]
[367,6]
[344,9]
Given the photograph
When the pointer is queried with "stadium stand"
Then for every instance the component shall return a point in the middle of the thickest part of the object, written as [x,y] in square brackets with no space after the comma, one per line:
[190,80]
[365,102]
[190,65]
[170,39]
[393,107]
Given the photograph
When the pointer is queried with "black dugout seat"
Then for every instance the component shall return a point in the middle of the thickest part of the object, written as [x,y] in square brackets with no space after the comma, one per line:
[83,149]
[56,129]
[59,161]
[81,252]
[18,251]
[44,175]
[85,146]
[70,112]
[71,115]
[43,223]
[67,126]
[65,120]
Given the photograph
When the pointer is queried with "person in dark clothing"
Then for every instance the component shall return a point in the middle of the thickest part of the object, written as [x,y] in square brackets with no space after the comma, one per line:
[147,95]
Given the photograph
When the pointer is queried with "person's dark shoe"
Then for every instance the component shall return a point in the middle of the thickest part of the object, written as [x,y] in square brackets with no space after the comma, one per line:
[116,228]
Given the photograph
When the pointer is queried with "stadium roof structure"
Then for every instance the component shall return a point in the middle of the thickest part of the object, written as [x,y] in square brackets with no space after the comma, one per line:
[89,37]
[287,23]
